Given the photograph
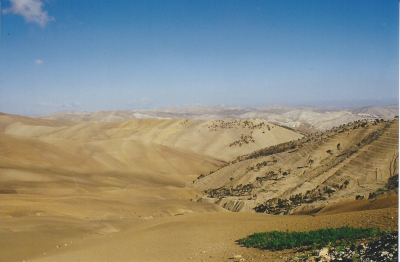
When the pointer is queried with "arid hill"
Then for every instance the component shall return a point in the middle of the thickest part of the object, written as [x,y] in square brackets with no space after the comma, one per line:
[122,191]
[307,119]
[104,171]
[354,160]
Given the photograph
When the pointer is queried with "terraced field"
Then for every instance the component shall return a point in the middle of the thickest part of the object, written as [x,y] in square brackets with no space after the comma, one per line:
[354,159]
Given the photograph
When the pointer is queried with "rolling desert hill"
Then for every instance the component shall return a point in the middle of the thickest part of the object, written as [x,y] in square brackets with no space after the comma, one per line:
[133,190]
[307,119]
[381,112]
[137,169]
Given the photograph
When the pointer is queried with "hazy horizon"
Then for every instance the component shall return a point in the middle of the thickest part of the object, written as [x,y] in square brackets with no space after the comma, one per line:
[343,105]
[334,107]
[91,56]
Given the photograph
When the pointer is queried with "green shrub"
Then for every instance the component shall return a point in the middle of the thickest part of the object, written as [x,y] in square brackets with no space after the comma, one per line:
[277,240]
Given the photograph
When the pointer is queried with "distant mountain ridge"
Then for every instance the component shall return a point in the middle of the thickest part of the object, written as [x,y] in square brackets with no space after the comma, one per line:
[307,118]
[387,111]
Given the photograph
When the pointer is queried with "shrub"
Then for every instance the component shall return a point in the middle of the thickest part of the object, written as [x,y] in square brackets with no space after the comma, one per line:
[277,240]
[393,182]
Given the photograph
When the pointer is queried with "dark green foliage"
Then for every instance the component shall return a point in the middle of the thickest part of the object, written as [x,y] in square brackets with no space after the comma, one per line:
[393,182]
[283,147]
[258,165]
[277,240]
[240,190]
[218,125]
[244,139]
[329,190]
[277,206]
[372,195]
[359,197]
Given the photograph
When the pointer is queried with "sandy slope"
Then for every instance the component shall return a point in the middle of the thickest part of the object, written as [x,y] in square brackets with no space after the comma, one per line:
[59,180]
[212,138]
[189,237]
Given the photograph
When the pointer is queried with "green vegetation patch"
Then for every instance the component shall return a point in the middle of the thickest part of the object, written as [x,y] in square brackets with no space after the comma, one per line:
[277,240]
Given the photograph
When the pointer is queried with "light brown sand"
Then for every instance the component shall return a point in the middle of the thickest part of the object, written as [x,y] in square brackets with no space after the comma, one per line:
[195,237]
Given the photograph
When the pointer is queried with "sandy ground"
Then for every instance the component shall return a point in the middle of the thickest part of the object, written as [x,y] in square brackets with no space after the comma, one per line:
[209,236]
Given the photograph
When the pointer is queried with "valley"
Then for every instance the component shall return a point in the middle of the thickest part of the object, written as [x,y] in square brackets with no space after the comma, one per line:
[185,189]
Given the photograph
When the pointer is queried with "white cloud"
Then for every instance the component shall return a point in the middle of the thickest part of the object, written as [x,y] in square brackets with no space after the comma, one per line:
[31,10]
[38,62]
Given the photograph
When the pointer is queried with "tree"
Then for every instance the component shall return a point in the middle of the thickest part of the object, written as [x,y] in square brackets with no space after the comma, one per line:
[338,146]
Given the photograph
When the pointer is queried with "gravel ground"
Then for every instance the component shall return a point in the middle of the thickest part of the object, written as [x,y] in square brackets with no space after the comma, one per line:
[384,249]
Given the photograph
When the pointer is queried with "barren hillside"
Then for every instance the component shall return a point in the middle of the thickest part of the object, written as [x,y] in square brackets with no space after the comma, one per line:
[354,159]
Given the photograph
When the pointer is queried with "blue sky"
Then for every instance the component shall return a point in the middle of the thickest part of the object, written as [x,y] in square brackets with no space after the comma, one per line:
[123,55]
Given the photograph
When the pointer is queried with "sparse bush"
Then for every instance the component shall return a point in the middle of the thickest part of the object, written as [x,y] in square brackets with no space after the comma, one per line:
[330,191]
[359,197]
[372,195]
[393,182]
